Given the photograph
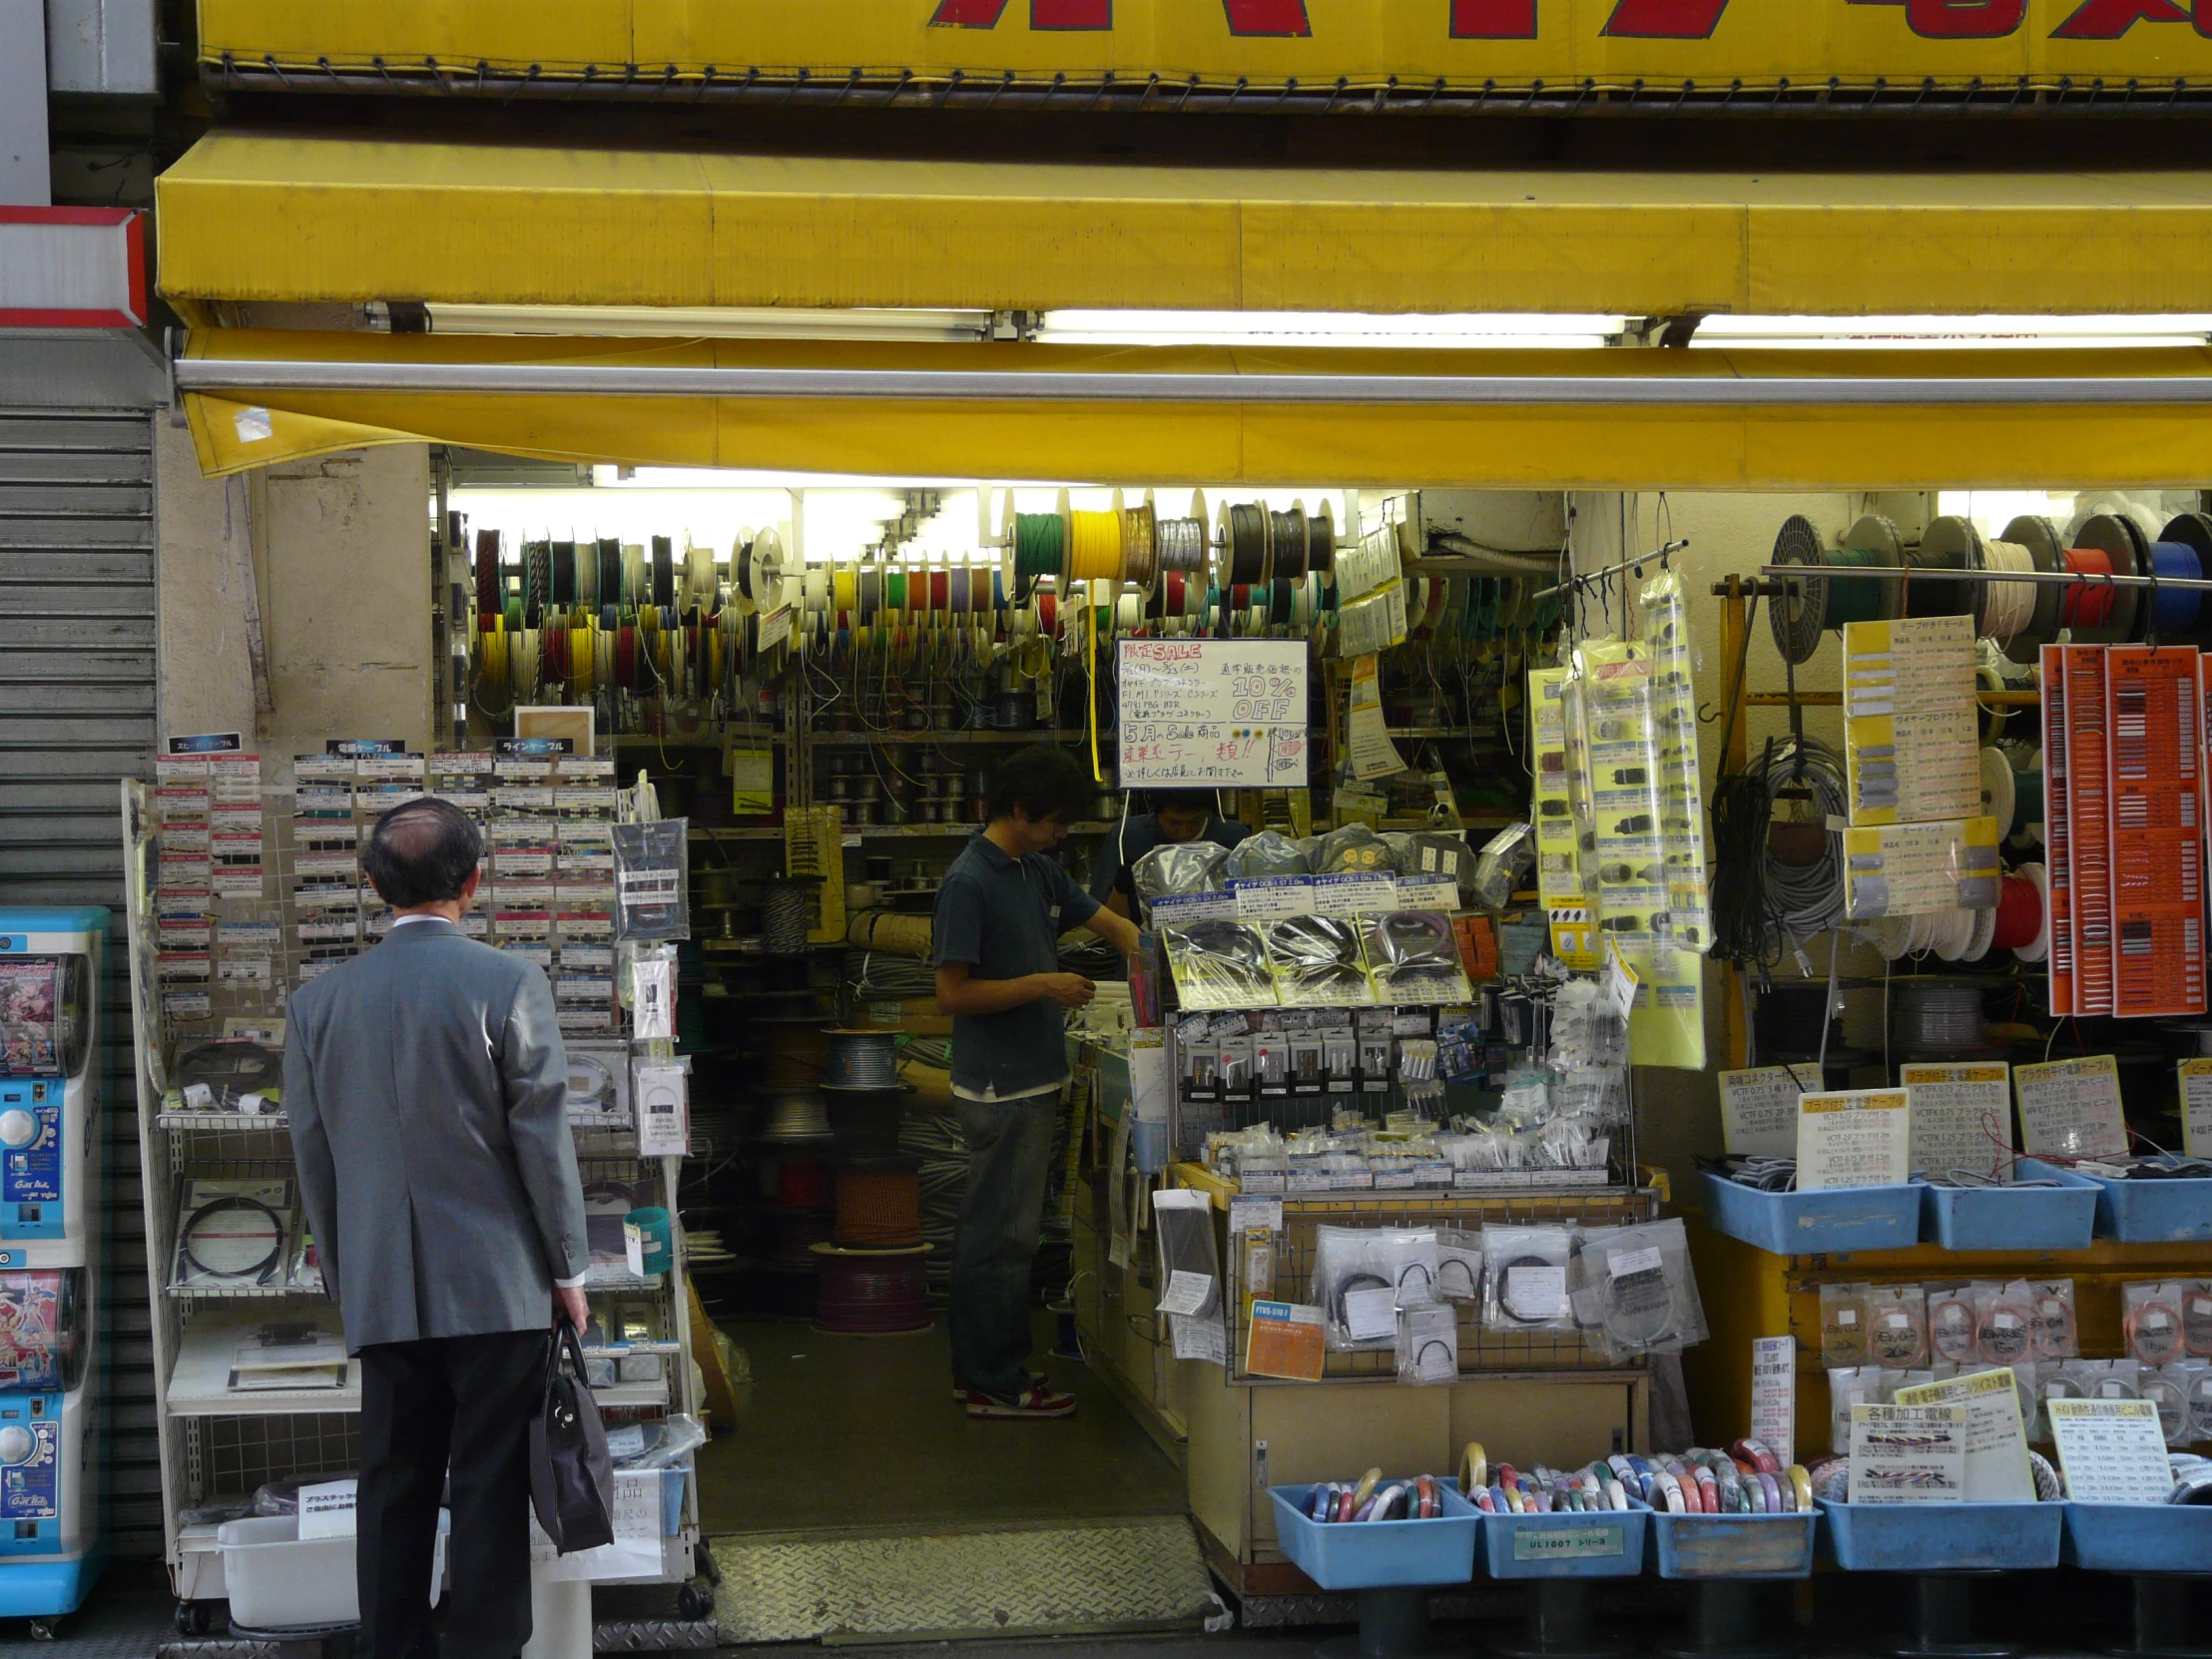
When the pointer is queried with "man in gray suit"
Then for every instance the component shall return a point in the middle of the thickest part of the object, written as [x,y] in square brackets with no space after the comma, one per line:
[427,1093]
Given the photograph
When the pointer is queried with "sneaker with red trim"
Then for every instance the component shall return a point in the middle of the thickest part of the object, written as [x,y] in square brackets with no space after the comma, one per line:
[960,1396]
[1037,1401]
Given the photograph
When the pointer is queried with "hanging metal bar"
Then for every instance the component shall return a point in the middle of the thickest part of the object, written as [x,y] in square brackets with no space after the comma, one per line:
[2068,578]
[1611,571]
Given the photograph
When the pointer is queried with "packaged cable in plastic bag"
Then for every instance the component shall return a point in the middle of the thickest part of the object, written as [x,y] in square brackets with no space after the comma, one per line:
[1353,849]
[1459,1266]
[1319,961]
[1268,854]
[1429,1343]
[1356,1282]
[1525,1273]
[1414,958]
[651,881]
[1219,964]
[1503,868]
[1674,728]
[1636,1291]
[1178,869]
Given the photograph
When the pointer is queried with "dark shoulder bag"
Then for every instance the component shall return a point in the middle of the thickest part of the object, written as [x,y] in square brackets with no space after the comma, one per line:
[572,1478]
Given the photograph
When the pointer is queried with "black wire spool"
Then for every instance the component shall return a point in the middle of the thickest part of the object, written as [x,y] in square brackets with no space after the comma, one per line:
[2047,548]
[1949,543]
[1320,541]
[1798,619]
[1875,539]
[1937,1017]
[564,572]
[1289,534]
[1245,545]
[2120,541]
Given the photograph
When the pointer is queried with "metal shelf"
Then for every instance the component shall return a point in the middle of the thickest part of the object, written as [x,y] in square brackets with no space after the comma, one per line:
[220,1119]
[871,832]
[1041,734]
[239,1292]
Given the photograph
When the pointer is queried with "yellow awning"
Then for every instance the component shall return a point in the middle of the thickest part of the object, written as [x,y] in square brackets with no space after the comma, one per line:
[1613,439]
[250,217]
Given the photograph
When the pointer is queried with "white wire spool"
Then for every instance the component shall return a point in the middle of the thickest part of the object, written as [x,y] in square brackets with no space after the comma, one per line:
[2040,949]
[2006,607]
[1954,932]
[1893,936]
[1985,930]
[1999,790]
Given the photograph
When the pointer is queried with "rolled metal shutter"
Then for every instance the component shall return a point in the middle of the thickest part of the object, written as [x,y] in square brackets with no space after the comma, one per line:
[77,714]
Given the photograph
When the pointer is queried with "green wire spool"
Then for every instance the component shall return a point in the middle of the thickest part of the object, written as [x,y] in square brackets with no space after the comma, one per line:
[1825,600]
[1040,542]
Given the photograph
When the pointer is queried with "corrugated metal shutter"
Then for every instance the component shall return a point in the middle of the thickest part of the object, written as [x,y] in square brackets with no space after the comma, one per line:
[77,712]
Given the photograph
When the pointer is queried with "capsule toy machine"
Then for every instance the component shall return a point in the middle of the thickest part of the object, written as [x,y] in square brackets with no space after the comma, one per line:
[50,975]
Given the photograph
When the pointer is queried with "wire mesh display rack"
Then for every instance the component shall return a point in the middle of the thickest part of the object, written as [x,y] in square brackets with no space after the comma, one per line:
[1481,1350]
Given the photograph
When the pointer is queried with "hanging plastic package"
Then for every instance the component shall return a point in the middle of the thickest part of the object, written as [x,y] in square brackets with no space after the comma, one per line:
[651,901]
[1674,730]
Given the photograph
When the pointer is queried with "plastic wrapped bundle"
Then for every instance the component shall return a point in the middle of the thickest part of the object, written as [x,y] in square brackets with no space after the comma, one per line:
[1219,964]
[1318,959]
[1178,868]
[1266,853]
[1352,850]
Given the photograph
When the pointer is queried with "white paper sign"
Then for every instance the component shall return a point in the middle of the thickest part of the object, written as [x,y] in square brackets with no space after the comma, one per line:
[2111,1450]
[1908,1454]
[1759,1110]
[327,1510]
[1255,1215]
[1371,1314]
[776,628]
[1220,713]
[1962,1118]
[1773,1396]
[1199,1337]
[1187,1293]
[2071,1108]
[636,1551]
[1854,1139]
[1367,737]
[660,1095]
[1997,1470]
[2196,1108]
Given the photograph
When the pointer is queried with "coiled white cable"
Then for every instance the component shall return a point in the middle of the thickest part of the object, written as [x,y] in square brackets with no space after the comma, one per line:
[2007,607]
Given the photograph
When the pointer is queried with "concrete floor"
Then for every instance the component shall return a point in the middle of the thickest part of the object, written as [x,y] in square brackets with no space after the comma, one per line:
[835,1432]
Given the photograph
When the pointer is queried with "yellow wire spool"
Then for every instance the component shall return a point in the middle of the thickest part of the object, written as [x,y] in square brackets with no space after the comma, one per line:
[580,660]
[491,656]
[846,587]
[1095,552]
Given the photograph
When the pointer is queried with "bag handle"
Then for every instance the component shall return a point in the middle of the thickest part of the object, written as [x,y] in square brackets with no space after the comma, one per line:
[564,1340]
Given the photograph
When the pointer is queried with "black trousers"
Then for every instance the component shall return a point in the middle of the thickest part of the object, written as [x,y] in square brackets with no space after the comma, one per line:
[467,1401]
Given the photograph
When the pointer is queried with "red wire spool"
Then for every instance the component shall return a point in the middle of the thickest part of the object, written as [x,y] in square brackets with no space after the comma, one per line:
[2019,915]
[2086,604]
[871,1292]
[801,1185]
[879,1209]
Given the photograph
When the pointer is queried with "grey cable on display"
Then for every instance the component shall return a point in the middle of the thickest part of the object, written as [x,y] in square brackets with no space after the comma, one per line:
[1805,899]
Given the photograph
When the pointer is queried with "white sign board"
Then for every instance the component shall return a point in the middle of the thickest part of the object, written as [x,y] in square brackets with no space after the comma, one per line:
[1214,714]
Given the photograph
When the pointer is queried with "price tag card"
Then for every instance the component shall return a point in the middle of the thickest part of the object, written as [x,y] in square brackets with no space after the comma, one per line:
[1962,1118]
[2196,1108]
[1371,1314]
[2111,1450]
[1997,1470]
[1759,1110]
[1773,1396]
[2071,1108]
[1908,1454]
[1355,895]
[1255,1215]
[1273,897]
[1855,1139]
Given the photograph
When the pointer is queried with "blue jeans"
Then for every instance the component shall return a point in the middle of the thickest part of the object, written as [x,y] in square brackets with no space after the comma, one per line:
[995,1241]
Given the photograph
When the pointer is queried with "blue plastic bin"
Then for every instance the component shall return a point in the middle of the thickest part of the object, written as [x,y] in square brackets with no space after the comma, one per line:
[1733,1546]
[2013,1217]
[1943,1537]
[1592,1543]
[1376,1555]
[2148,1212]
[2139,1537]
[1803,1224]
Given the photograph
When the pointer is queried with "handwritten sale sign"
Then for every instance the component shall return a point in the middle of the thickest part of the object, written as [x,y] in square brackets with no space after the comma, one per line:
[1219,714]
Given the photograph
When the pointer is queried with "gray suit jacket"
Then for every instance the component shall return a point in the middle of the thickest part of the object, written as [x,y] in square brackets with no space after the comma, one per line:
[427,1093]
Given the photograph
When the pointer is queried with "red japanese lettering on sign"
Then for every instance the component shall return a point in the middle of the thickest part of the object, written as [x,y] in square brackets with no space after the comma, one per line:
[1959,19]
[1666,19]
[1494,19]
[1043,14]
[2111,19]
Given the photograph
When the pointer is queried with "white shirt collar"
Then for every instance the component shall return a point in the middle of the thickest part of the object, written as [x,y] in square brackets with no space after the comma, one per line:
[402,921]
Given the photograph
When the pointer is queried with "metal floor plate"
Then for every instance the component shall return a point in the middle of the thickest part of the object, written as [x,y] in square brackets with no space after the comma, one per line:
[1119,1575]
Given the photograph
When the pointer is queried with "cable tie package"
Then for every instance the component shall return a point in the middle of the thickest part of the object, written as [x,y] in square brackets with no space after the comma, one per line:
[1219,964]
[1952,1323]
[1847,1322]
[1503,865]
[1429,1343]
[2057,1327]
[652,879]
[1898,1320]
[2151,1322]
[1526,1279]
[1190,1272]
[2167,1387]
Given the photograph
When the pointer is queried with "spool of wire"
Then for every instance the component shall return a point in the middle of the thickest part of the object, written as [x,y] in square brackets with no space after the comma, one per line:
[879,1209]
[1184,545]
[796,1116]
[1932,1016]
[784,919]
[1140,546]
[1949,543]
[1872,543]
[2008,608]
[1038,550]
[2174,611]
[1800,614]
[863,1059]
[1320,541]
[2039,947]
[1244,545]
[2194,531]
[2126,552]
[2046,552]
[1763,892]
[871,1292]
[1288,533]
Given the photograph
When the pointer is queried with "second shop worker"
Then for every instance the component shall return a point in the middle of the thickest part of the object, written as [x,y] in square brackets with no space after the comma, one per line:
[999,916]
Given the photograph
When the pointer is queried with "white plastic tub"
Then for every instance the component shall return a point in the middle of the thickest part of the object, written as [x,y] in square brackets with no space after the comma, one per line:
[279,1583]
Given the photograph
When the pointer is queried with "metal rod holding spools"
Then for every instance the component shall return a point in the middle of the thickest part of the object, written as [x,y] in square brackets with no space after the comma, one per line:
[2067,578]
[1610,571]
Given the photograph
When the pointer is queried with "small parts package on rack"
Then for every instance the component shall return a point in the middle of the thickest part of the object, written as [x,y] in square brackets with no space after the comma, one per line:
[1363,1276]
[1569,906]
[1906,869]
[652,881]
[1525,1273]
[1674,731]
[1636,1293]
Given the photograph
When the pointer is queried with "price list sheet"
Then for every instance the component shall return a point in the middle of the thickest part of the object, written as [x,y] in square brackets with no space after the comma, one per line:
[1909,721]
[2157,839]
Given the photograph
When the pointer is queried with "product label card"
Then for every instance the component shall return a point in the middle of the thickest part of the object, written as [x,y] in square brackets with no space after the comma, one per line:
[1908,1454]
[1855,1139]
[1997,1470]
[1962,1118]
[2111,1450]
[2196,1108]
[1759,1109]
[2071,1108]
[1273,897]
